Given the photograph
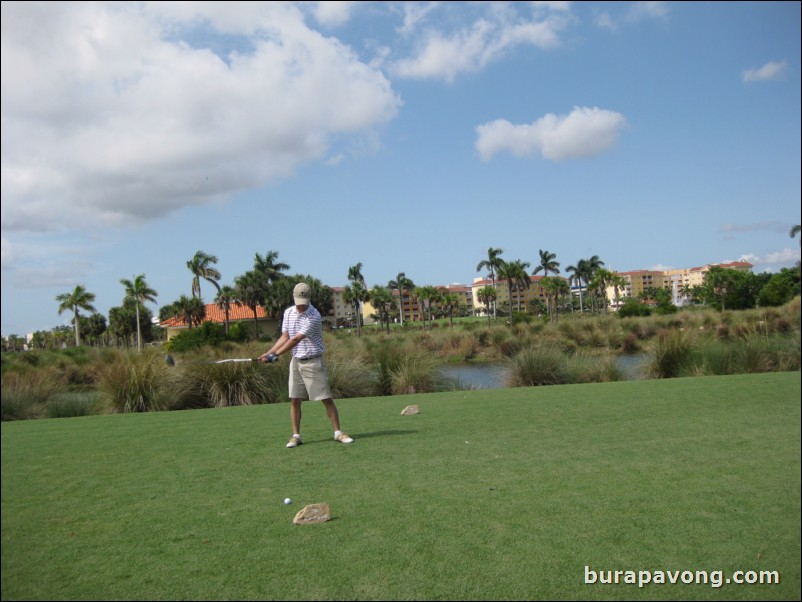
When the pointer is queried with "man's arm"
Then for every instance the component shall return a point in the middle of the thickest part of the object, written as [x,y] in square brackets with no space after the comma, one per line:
[283,345]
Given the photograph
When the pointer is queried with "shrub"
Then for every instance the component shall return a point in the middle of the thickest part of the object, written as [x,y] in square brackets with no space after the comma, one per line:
[203,384]
[592,368]
[207,334]
[633,307]
[69,405]
[630,343]
[415,373]
[545,365]
[348,377]
[672,355]
[134,382]
[25,393]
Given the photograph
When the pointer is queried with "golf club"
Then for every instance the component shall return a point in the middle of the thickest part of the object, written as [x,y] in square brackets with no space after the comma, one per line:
[171,361]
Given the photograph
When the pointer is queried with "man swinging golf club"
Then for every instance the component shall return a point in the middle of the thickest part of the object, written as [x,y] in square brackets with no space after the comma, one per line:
[302,333]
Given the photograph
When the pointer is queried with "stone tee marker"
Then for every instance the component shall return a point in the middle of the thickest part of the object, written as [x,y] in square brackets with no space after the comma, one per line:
[312,514]
[410,410]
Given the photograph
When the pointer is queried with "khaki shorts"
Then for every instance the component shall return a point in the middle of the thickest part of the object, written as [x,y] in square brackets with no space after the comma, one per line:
[309,379]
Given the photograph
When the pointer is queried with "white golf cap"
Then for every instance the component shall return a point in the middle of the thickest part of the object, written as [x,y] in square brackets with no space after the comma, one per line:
[301,294]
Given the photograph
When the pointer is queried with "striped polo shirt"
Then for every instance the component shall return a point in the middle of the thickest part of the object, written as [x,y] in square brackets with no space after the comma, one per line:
[307,323]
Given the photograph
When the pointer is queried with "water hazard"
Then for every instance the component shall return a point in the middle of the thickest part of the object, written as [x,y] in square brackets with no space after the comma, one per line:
[494,376]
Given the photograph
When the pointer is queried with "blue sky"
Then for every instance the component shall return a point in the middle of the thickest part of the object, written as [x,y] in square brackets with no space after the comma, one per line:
[407,136]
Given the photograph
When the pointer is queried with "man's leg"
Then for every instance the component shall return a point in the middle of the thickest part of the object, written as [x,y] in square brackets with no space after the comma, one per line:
[331,410]
[295,415]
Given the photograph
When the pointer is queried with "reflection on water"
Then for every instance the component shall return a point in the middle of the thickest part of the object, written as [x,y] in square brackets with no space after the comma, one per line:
[493,376]
[475,376]
[633,366]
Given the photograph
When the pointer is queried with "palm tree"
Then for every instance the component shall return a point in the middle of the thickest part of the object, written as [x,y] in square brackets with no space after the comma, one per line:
[250,291]
[576,272]
[426,295]
[601,280]
[492,263]
[381,298]
[795,230]
[401,284]
[588,268]
[190,310]
[450,302]
[553,288]
[520,278]
[547,264]
[506,271]
[431,296]
[137,291]
[225,299]
[79,298]
[355,274]
[487,295]
[268,265]
[200,266]
[720,281]
[359,293]
[356,294]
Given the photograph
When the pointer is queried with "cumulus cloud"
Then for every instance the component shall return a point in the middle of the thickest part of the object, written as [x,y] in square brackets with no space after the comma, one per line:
[113,114]
[771,262]
[768,72]
[585,132]
[334,13]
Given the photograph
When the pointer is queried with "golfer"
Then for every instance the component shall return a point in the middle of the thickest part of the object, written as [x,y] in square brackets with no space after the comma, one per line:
[302,333]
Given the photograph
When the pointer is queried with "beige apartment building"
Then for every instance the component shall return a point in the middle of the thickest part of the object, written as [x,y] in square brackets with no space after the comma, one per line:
[411,306]
[518,298]
[676,281]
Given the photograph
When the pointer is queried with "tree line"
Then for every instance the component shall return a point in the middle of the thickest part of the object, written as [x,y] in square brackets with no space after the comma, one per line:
[267,286]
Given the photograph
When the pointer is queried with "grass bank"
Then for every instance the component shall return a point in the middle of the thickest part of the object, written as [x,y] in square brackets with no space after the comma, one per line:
[492,494]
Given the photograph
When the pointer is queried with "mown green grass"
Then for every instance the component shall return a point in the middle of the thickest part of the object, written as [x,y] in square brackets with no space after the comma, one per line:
[499,494]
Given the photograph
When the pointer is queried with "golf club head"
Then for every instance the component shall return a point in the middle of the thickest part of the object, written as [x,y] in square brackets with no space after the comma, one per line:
[169,359]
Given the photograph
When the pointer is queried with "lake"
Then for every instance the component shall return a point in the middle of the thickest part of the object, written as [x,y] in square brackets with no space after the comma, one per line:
[492,376]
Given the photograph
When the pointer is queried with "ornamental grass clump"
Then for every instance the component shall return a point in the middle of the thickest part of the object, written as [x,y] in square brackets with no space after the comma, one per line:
[348,377]
[25,393]
[672,355]
[212,385]
[130,381]
[545,365]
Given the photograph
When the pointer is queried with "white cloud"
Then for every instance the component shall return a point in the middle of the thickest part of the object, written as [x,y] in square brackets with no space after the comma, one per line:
[7,252]
[114,114]
[771,262]
[585,132]
[633,13]
[333,13]
[640,11]
[496,31]
[603,20]
[768,72]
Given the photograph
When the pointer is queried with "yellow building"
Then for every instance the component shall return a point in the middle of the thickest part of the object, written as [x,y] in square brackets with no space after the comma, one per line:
[636,282]
[677,281]
[411,306]
[518,298]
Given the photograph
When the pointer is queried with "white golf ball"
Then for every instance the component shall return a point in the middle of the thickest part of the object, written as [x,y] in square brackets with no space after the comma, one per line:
[287,501]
